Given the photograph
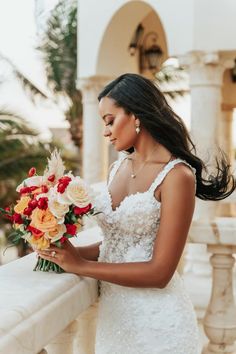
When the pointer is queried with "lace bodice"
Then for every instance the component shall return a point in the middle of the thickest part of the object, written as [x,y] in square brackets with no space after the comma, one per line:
[130,230]
[140,320]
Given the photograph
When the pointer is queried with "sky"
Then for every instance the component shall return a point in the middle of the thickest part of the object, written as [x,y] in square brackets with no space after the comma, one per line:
[17,42]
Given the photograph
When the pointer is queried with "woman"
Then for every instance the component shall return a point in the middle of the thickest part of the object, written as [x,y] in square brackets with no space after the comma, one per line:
[147,208]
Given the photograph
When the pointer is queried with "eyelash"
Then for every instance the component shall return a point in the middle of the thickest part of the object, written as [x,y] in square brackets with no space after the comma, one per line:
[110,123]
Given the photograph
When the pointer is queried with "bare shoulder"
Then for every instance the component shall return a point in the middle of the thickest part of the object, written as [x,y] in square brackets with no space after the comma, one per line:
[180,177]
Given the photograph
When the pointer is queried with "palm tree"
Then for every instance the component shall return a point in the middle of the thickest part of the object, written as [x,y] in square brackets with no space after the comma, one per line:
[20,149]
[31,88]
[173,81]
[59,48]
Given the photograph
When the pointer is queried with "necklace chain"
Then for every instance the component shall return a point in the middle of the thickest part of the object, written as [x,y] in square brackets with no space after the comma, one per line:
[133,175]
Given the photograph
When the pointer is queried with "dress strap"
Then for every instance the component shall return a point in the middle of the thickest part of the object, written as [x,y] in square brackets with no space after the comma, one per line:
[168,167]
[114,168]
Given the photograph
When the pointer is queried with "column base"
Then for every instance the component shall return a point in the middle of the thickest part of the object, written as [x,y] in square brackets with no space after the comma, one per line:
[219,349]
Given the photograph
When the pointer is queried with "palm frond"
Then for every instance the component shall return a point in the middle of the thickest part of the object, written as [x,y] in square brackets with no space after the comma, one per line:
[172,81]
[32,89]
[59,48]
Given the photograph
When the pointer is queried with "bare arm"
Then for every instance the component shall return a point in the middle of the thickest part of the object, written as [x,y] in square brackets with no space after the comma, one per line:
[178,199]
[90,252]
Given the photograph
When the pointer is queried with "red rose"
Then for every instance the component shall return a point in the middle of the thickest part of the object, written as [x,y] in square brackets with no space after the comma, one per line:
[27,211]
[63,239]
[32,172]
[32,188]
[25,190]
[36,232]
[33,204]
[43,203]
[44,189]
[71,229]
[17,219]
[81,211]
[61,188]
[51,178]
[65,179]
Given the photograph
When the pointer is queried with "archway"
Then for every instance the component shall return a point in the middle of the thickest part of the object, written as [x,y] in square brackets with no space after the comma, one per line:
[113,56]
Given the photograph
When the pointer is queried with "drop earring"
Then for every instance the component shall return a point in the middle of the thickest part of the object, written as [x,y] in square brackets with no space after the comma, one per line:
[137,129]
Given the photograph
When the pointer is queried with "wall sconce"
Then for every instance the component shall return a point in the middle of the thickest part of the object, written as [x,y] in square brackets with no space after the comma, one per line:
[134,44]
[149,51]
[233,72]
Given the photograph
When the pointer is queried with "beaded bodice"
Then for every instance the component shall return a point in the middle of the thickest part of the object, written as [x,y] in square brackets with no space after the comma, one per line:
[140,320]
[130,230]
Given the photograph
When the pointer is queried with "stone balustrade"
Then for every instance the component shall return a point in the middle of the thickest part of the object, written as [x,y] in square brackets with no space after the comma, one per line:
[39,310]
[45,312]
[220,317]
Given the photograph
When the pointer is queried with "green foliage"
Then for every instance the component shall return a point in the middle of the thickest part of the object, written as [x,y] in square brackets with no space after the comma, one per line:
[20,149]
[59,48]
[173,81]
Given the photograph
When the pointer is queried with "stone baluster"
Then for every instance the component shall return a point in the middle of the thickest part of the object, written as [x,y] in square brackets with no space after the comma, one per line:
[85,341]
[64,342]
[220,318]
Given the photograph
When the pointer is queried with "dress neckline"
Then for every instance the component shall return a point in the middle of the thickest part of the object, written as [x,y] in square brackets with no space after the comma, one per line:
[127,197]
[149,190]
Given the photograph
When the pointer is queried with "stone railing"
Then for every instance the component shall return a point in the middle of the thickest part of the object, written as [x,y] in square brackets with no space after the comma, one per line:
[45,313]
[45,310]
[220,318]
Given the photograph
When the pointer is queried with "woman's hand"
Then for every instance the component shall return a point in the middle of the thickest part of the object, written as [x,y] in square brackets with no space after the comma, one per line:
[67,257]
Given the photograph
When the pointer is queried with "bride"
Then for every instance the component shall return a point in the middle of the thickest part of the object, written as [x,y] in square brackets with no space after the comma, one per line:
[146,211]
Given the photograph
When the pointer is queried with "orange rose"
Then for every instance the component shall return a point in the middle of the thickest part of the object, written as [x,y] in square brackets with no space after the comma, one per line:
[21,205]
[41,243]
[57,233]
[43,220]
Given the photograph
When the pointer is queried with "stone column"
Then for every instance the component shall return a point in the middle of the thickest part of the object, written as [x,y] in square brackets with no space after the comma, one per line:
[95,149]
[87,321]
[227,208]
[206,79]
[226,128]
[220,319]
[64,342]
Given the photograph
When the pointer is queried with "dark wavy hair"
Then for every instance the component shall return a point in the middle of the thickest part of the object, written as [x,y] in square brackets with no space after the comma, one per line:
[140,96]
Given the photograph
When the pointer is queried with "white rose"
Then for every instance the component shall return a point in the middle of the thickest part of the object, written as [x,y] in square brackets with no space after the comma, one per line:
[31,181]
[59,210]
[76,193]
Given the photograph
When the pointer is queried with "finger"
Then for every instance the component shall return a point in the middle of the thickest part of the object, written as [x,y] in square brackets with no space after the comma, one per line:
[50,258]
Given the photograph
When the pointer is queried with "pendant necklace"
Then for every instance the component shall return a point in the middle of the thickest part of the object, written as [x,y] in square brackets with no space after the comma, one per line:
[134,174]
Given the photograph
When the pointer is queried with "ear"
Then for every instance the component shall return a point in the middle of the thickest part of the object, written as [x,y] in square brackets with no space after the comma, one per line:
[137,121]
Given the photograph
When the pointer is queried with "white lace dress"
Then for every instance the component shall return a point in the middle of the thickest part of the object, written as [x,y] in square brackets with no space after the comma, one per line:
[140,320]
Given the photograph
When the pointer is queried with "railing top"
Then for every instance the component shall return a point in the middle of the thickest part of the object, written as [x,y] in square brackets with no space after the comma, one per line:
[36,306]
[219,231]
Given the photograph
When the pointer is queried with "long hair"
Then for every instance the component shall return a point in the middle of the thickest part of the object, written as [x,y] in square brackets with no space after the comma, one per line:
[139,96]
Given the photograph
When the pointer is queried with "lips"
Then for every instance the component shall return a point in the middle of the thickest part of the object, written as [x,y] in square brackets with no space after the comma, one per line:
[112,141]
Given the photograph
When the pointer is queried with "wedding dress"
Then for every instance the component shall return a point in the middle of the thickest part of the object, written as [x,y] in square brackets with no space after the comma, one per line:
[140,320]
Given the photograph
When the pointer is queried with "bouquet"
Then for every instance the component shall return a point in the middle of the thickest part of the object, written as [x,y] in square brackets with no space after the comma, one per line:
[49,209]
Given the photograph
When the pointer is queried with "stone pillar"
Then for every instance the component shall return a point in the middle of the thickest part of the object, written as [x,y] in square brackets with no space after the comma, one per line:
[205,79]
[95,149]
[85,343]
[64,342]
[227,208]
[226,128]
[220,319]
